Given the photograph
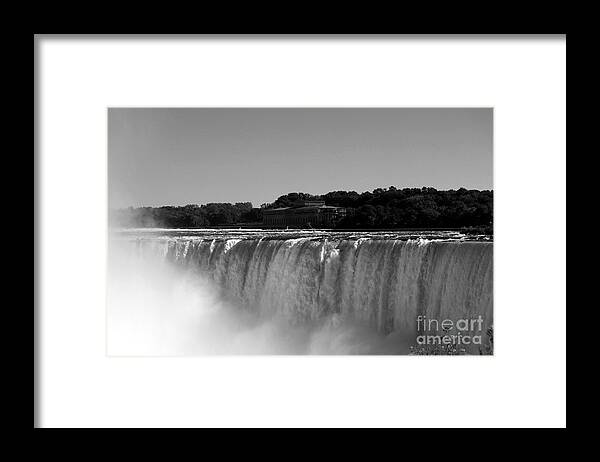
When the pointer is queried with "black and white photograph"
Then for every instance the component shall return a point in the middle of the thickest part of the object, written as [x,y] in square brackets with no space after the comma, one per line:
[300,231]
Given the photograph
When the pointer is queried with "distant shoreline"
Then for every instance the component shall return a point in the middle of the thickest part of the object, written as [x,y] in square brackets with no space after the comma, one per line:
[474,231]
[259,228]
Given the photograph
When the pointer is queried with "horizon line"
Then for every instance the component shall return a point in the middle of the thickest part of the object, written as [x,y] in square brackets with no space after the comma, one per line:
[294,192]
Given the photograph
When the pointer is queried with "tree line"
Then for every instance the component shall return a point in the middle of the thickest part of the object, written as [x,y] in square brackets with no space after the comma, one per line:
[188,216]
[380,208]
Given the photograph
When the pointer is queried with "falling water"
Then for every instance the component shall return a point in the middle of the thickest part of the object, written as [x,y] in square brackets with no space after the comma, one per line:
[383,282]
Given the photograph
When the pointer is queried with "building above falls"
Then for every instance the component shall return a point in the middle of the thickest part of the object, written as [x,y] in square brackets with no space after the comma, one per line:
[303,214]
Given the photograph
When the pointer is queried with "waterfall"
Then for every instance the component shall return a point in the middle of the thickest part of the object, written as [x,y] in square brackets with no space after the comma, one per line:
[383,283]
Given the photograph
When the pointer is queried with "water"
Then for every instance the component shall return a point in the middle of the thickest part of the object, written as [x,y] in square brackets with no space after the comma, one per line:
[298,292]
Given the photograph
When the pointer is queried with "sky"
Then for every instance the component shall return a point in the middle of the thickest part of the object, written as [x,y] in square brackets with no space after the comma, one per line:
[180,156]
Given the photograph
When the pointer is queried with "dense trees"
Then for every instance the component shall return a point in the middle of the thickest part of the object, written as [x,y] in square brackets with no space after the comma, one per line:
[407,208]
[189,216]
[380,208]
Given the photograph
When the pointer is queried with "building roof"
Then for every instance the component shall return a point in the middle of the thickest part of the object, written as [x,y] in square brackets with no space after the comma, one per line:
[280,209]
[302,209]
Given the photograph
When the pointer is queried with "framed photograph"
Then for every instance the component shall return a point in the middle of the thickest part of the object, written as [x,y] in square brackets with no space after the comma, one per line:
[300,231]
[280,254]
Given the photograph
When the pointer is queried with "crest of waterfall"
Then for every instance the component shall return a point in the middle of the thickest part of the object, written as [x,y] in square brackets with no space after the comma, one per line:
[383,283]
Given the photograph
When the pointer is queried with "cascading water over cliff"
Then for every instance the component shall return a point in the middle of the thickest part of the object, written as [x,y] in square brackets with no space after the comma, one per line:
[383,282]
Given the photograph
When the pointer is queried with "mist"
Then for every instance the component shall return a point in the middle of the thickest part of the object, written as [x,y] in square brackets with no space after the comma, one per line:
[157,308]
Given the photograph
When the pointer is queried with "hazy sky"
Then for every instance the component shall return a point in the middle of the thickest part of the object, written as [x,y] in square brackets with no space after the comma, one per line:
[195,156]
